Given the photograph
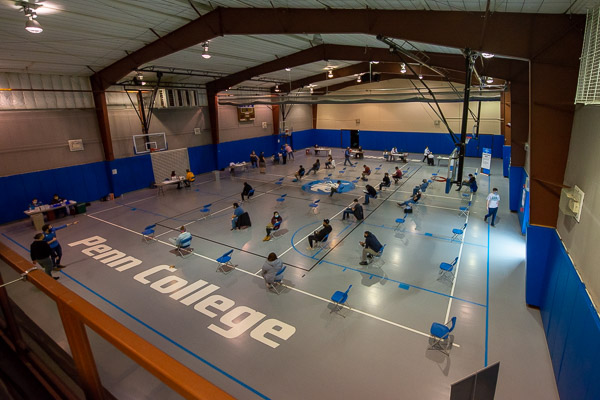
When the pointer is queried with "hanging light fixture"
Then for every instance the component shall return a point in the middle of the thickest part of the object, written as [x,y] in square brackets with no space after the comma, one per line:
[330,74]
[288,69]
[32,25]
[277,90]
[487,55]
[374,62]
[489,80]
[205,51]
[420,76]
[403,68]
[359,80]
[311,90]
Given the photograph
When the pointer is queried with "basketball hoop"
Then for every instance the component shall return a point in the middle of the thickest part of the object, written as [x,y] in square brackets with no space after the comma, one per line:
[469,137]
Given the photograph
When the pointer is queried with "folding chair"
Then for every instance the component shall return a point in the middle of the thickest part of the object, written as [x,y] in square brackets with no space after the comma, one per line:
[339,299]
[148,233]
[280,181]
[447,270]
[250,194]
[328,177]
[205,210]
[399,221]
[225,265]
[184,248]
[314,206]
[370,259]
[342,171]
[464,211]
[281,198]
[441,333]
[378,169]
[323,243]
[277,286]
[466,196]
[458,232]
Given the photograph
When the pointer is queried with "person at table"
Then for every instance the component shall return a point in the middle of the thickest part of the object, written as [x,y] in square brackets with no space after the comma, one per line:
[274,225]
[189,178]
[386,181]
[426,153]
[397,175]
[300,173]
[57,200]
[316,166]
[386,155]
[55,248]
[246,191]
[330,162]
[262,163]
[40,254]
[430,159]
[316,150]
[254,159]
[393,154]
[174,177]
[35,203]
[237,211]
[359,152]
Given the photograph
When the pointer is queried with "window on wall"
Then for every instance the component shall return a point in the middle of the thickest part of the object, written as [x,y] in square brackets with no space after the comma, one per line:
[588,85]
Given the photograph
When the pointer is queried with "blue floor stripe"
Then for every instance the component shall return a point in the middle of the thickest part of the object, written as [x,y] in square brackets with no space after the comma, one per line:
[17,243]
[185,349]
[487,290]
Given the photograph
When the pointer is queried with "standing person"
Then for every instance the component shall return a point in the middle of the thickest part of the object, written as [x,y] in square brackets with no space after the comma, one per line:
[237,211]
[369,192]
[397,175]
[493,200]
[276,221]
[246,191]
[319,235]
[426,153]
[253,159]
[270,269]
[386,181]
[182,237]
[316,166]
[283,155]
[347,156]
[262,163]
[371,247]
[430,159]
[40,254]
[289,151]
[189,178]
[55,248]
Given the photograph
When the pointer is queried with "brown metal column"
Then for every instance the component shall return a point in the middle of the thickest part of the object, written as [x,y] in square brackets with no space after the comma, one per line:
[519,121]
[506,117]
[275,111]
[103,124]
[314,116]
[213,114]
[82,353]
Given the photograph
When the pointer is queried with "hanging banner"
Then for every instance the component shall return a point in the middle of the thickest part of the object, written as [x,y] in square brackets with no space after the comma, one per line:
[486,161]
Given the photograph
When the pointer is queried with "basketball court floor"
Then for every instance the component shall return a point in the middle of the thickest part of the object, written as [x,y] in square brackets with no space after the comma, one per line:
[254,343]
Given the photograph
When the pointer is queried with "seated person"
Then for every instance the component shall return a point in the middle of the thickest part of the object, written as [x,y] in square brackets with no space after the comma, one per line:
[319,235]
[386,181]
[243,221]
[413,200]
[424,185]
[397,175]
[393,154]
[57,200]
[189,178]
[371,247]
[35,203]
[237,211]
[273,226]
[330,162]
[276,158]
[254,159]
[246,191]
[355,209]
[270,269]
[386,155]
[416,190]
[174,177]
[370,192]
[316,166]
[334,188]
[183,236]
[316,151]
[359,153]
[300,173]
[366,172]
[471,183]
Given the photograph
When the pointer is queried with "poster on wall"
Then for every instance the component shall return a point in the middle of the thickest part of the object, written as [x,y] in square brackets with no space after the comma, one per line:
[486,161]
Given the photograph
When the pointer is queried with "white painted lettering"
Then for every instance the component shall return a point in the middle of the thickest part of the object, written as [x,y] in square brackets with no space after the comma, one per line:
[129,262]
[169,284]
[239,320]
[272,327]
[109,256]
[101,248]
[188,289]
[215,301]
[141,277]
[199,294]
[94,240]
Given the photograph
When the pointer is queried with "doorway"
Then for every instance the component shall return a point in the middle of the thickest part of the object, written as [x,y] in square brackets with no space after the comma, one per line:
[354,139]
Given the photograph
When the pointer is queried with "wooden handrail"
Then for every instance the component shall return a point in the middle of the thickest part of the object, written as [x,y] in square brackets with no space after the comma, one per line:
[170,371]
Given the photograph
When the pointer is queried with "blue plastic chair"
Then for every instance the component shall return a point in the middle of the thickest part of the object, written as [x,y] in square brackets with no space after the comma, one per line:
[225,265]
[281,198]
[378,169]
[458,232]
[314,206]
[441,333]
[341,171]
[185,247]
[250,194]
[464,211]
[280,181]
[148,233]
[339,299]
[399,221]
[447,270]
[277,282]
[376,256]
[205,210]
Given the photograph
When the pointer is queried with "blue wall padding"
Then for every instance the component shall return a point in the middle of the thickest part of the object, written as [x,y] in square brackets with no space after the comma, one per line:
[133,173]
[202,159]
[303,139]
[505,160]
[81,182]
[239,150]
[570,321]
[515,184]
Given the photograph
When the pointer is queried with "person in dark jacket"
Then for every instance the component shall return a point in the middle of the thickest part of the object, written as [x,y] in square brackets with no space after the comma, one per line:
[40,254]
[300,173]
[316,166]
[413,200]
[319,235]
[371,247]
[370,192]
[386,181]
[246,191]
[355,209]
[471,183]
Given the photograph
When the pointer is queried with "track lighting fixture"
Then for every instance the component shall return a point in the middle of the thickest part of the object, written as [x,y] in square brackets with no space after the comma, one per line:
[359,80]
[403,68]
[489,80]
[32,25]
[277,90]
[311,90]
[205,51]
[420,76]
[330,74]
[487,55]
[288,69]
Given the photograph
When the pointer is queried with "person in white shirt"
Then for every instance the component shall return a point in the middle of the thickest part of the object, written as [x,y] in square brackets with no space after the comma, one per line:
[426,153]
[493,200]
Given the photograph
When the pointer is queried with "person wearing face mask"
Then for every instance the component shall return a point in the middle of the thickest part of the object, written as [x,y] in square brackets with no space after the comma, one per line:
[273,226]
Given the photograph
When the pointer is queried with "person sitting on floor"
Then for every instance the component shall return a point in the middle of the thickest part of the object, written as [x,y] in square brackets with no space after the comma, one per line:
[276,221]
[413,200]
[183,236]
[316,166]
[386,181]
[335,188]
[319,235]
[330,163]
[366,172]
[355,209]
[189,178]
[270,269]
[246,191]
[300,173]
[370,192]
[397,175]
[371,247]
[237,211]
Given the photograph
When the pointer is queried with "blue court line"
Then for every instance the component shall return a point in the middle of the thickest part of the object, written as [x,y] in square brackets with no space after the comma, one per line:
[342,231]
[423,234]
[17,243]
[487,291]
[154,330]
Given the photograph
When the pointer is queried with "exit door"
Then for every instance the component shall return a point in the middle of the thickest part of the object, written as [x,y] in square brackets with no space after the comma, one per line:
[354,139]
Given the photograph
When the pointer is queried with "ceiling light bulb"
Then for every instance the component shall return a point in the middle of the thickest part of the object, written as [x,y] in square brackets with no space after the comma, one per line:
[487,55]
[205,55]
[277,88]
[403,68]
[143,83]
[311,90]
[288,69]
[33,26]
[374,62]
[489,80]
[420,76]
[358,79]
[330,74]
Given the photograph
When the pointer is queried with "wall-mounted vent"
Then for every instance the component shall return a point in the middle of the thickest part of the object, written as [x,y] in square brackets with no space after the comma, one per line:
[177,98]
[588,85]
[571,202]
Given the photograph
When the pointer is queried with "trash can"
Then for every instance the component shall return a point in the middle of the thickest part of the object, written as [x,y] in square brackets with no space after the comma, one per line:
[81,208]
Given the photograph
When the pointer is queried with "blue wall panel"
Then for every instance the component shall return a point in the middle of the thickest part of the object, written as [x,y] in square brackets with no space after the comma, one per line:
[537,248]
[303,139]
[239,150]
[506,160]
[515,185]
[133,173]
[202,159]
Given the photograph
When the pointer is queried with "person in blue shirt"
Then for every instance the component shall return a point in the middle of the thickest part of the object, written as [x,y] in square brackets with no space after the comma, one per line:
[347,157]
[371,247]
[55,248]
[183,236]
[237,211]
[35,203]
